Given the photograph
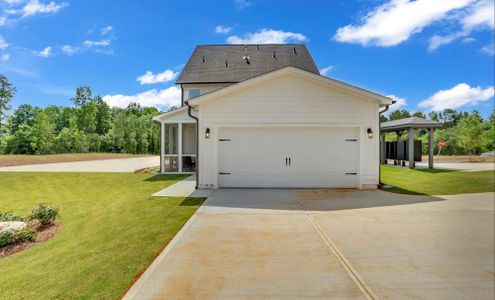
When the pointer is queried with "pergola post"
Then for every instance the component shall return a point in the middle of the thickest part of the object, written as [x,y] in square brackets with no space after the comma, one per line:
[431,132]
[397,160]
[162,147]
[410,143]
[383,149]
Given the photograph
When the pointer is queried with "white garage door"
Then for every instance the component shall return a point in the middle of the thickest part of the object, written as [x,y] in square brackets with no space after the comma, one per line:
[288,157]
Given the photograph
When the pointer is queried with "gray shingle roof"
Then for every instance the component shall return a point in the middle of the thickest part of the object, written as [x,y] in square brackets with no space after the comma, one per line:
[412,122]
[225,63]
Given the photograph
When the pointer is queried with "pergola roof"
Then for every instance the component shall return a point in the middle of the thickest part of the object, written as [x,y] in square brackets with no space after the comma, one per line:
[407,123]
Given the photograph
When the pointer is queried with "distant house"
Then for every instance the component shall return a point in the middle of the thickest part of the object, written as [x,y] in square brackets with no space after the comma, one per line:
[263,116]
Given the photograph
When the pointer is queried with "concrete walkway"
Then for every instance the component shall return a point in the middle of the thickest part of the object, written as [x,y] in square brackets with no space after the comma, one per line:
[321,244]
[184,188]
[121,165]
[460,166]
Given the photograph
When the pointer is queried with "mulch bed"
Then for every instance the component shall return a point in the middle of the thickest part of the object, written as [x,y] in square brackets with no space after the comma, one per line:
[44,233]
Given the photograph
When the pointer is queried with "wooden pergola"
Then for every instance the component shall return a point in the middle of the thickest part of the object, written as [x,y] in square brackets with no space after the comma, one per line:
[410,125]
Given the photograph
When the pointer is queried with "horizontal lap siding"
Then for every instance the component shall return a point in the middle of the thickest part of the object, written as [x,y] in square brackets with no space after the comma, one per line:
[288,100]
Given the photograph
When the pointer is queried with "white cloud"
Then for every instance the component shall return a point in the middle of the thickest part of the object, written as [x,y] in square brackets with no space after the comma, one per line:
[3,21]
[458,96]
[106,30]
[478,16]
[395,21]
[398,101]
[13,1]
[101,43]
[47,52]
[69,50]
[5,57]
[150,78]
[489,49]
[157,98]
[3,43]
[325,70]
[35,7]
[469,40]
[267,36]
[481,15]
[222,29]
[241,4]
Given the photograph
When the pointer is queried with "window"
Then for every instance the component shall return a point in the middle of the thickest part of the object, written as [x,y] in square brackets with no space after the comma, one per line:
[191,93]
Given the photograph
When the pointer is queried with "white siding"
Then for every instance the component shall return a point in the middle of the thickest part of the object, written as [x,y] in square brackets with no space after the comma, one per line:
[290,99]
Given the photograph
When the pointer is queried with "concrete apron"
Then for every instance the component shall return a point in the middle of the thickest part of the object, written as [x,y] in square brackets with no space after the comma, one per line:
[251,244]
[248,244]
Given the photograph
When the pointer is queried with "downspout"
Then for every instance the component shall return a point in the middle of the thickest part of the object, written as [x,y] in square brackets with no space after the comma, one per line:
[189,109]
[380,183]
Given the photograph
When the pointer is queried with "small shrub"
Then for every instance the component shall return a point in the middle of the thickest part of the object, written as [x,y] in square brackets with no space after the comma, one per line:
[9,217]
[44,214]
[16,236]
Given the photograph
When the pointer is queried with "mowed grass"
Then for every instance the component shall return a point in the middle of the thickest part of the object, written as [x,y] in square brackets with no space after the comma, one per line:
[112,229]
[436,182]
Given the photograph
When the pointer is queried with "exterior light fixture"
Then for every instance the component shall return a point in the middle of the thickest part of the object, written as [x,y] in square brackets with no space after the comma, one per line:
[370,133]
[207,133]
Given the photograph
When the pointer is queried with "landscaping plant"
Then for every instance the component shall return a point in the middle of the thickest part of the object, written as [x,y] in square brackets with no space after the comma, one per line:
[16,236]
[45,214]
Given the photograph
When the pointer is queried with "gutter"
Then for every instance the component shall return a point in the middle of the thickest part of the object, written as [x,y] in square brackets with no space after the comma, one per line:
[189,112]
[380,183]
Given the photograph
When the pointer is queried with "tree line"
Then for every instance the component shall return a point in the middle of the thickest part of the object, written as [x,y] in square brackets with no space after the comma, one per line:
[463,132]
[90,125]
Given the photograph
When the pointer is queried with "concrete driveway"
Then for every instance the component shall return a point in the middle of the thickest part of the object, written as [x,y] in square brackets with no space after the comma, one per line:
[120,165]
[320,244]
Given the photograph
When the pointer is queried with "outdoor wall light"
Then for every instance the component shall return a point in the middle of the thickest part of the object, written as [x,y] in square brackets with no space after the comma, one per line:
[207,133]
[370,133]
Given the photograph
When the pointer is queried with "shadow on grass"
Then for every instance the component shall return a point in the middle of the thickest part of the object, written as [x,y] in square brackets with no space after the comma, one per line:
[166,177]
[398,190]
[435,171]
[192,201]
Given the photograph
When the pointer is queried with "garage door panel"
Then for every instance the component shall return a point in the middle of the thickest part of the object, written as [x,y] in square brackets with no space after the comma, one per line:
[320,157]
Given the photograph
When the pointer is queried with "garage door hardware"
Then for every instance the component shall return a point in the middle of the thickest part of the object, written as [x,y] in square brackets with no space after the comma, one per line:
[224,140]
[351,140]
[223,173]
[351,173]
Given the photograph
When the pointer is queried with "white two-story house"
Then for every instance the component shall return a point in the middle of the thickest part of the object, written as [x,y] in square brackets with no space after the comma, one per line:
[263,116]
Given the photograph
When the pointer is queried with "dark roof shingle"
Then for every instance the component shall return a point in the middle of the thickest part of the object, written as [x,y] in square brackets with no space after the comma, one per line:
[225,63]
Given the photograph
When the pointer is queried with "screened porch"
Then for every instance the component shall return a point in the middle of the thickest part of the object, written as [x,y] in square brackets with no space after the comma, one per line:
[178,147]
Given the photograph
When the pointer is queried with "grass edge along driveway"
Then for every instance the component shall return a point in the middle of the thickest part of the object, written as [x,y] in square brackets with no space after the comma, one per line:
[436,181]
[112,230]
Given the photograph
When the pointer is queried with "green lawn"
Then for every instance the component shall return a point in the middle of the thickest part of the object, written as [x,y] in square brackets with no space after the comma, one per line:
[112,229]
[437,182]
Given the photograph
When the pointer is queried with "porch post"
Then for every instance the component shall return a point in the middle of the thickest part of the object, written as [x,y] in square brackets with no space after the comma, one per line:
[162,147]
[430,148]
[179,147]
[410,143]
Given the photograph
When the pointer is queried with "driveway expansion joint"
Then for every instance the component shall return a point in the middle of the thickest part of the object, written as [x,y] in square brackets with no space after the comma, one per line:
[363,287]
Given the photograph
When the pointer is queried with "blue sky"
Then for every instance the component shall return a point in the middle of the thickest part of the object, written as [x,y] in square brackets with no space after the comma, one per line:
[430,54]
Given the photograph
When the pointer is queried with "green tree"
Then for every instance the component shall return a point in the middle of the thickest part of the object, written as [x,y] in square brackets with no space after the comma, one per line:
[469,133]
[419,114]
[87,117]
[7,92]
[24,114]
[84,94]
[42,136]
[399,114]
[103,116]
